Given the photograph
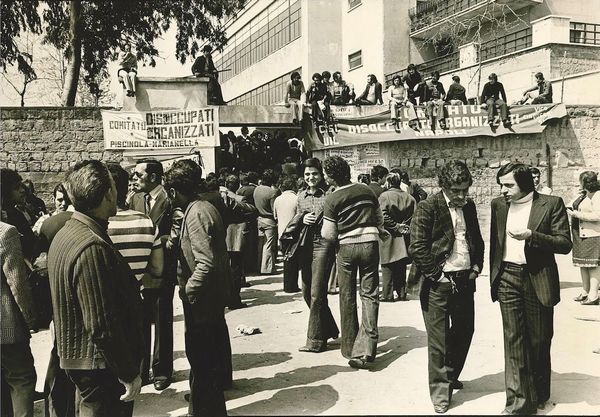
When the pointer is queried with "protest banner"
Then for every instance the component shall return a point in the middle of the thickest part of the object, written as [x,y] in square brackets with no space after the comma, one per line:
[354,125]
[161,129]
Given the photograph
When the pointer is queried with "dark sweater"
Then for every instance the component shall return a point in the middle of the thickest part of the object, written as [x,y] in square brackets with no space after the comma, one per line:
[456,92]
[96,301]
[352,207]
[494,91]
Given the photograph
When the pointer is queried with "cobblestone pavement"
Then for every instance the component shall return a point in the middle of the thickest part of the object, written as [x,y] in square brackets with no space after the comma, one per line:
[272,378]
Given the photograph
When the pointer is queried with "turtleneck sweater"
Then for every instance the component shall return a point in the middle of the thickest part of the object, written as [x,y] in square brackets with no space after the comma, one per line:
[517,219]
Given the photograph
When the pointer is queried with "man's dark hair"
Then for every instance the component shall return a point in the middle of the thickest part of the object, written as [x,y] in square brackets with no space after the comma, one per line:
[403,175]
[313,163]
[522,175]
[337,169]
[152,167]
[253,177]
[9,179]
[397,77]
[411,67]
[378,172]
[244,178]
[207,48]
[232,182]
[294,75]
[336,73]
[184,176]
[87,183]
[364,178]
[535,171]
[317,76]
[456,78]
[453,173]
[493,76]
[373,77]
[288,182]
[245,129]
[326,74]
[121,179]
[268,177]
[435,74]
[589,181]
[539,75]
[29,186]
[224,172]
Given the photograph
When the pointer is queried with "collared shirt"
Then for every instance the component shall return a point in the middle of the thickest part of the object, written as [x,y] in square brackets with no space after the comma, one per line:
[284,209]
[154,194]
[459,259]
[311,202]
[517,219]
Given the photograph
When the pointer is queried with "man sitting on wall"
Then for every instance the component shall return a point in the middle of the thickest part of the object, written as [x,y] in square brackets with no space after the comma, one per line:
[205,67]
[372,94]
[432,97]
[341,90]
[456,93]
[544,89]
[493,96]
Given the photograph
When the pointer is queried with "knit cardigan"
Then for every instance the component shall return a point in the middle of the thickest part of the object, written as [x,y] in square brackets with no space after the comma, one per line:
[96,301]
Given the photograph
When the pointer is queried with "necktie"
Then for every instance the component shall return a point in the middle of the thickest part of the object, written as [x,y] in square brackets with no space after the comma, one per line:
[147,203]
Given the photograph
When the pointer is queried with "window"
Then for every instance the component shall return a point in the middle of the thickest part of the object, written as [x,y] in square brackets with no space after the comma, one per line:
[353,3]
[585,33]
[267,94]
[355,60]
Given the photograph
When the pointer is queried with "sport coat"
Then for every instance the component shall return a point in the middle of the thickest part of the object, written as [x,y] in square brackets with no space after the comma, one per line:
[432,240]
[549,225]
[160,213]
[205,274]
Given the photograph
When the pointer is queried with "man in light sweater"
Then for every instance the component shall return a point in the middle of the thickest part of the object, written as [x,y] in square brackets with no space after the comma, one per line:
[95,298]
[352,217]
[527,229]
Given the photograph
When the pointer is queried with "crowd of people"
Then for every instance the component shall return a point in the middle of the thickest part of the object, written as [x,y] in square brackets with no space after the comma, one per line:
[118,244]
[406,91]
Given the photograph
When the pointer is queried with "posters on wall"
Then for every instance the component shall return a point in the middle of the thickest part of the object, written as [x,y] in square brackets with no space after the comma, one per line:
[367,124]
[161,129]
[361,158]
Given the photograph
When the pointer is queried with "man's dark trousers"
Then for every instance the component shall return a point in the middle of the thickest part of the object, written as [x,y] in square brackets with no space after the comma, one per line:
[449,320]
[205,342]
[100,391]
[503,108]
[363,258]
[158,309]
[58,389]
[527,341]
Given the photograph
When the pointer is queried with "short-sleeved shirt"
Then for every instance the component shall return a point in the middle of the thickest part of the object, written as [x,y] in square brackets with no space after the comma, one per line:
[284,209]
[135,236]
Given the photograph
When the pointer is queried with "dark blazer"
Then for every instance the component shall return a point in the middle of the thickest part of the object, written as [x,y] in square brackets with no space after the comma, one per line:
[205,273]
[550,227]
[238,230]
[376,188]
[378,93]
[161,210]
[432,239]
[397,208]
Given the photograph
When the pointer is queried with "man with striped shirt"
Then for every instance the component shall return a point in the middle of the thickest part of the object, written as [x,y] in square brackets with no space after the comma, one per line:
[352,217]
[136,238]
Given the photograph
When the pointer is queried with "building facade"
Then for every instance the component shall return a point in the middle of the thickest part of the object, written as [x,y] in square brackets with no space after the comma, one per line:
[269,39]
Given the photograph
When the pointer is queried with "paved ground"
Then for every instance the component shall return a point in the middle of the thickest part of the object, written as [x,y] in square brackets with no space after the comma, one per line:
[272,378]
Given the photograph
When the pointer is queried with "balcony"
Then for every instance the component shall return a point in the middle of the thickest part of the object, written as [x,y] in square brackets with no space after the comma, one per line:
[506,44]
[429,16]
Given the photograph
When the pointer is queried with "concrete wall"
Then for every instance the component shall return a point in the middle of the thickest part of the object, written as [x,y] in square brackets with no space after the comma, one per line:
[42,143]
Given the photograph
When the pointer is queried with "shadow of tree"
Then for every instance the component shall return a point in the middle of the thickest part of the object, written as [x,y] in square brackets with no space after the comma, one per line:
[178,317]
[178,354]
[245,361]
[264,280]
[158,403]
[301,376]
[255,297]
[292,401]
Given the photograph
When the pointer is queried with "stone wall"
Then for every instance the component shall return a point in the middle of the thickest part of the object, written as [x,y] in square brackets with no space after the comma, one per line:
[42,143]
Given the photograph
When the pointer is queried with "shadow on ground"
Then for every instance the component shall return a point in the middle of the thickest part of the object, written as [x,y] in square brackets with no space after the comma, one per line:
[245,361]
[255,297]
[292,401]
[301,376]
[400,340]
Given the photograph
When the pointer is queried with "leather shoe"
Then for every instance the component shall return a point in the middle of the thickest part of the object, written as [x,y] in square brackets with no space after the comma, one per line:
[588,302]
[312,349]
[456,384]
[580,298]
[161,383]
[360,363]
[440,409]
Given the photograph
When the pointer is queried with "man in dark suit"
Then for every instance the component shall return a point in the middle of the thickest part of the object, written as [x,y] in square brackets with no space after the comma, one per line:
[527,229]
[205,67]
[447,251]
[203,289]
[151,199]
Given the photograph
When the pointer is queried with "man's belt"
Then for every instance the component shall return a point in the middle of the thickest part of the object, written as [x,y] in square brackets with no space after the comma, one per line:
[511,266]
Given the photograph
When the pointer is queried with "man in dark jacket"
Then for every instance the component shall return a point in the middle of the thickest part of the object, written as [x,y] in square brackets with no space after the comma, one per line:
[493,96]
[203,288]
[95,298]
[447,251]
[205,67]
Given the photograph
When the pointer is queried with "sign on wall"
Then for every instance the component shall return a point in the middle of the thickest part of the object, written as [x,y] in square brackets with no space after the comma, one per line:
[161,129]
[368,124]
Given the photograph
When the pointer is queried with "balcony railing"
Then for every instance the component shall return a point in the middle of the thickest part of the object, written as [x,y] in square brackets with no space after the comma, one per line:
[442,64]
[430,12]
[506,44]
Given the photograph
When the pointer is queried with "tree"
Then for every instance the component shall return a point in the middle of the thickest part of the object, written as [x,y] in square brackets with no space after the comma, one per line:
[92,33]
[491,21]
[24,74]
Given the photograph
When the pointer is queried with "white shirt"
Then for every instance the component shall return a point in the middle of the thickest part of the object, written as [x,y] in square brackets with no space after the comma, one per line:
[154,194]
[284,209]
[459,259]
[517,219]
